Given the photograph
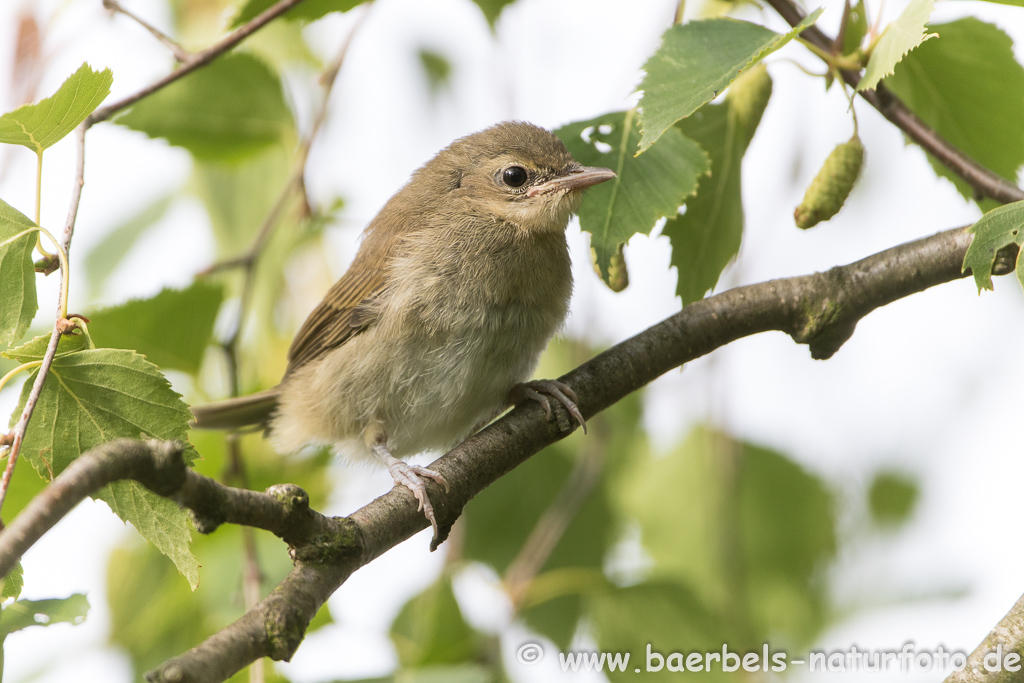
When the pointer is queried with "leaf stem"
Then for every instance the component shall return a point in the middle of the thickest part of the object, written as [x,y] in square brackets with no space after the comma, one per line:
[24,366]
[62,304]
[180,53]
[39,203]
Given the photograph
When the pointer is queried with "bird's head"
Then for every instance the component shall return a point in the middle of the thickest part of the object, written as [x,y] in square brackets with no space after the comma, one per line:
[514,172]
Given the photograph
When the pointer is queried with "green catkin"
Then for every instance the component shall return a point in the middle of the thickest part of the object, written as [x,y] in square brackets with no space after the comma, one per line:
[828,191]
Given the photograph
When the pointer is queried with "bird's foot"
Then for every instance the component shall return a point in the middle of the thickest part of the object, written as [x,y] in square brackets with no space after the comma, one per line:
[411,477]
[536,389]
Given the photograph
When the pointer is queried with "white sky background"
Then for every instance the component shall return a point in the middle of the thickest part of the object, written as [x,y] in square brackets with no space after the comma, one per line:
[926,384]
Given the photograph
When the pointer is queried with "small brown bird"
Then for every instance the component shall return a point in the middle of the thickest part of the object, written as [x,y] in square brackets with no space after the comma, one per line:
[461,280]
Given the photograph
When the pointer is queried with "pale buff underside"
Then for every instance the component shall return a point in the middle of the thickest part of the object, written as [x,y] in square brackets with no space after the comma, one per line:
[440,359]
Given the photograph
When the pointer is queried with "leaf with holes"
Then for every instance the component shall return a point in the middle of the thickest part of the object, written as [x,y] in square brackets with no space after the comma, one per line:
[94,396]
[899,38]
[25,613]
[698,60]
[18,301]
[38,126]
[996,229]
[649,187]
[11,585]
[707,237]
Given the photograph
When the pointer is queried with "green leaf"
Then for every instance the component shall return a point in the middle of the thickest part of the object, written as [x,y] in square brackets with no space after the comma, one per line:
[649,187]
[104,257]
[707,236]
[856,28]
[430,629]
[310,10]
[892,498]
[35,348]
[25,613]
[172,329]
[38,126]
[996,229]
[228,110]
[18,302]
[11,585]
[698,60]
[492,9]
[98,395]
[898,38]
[968,86]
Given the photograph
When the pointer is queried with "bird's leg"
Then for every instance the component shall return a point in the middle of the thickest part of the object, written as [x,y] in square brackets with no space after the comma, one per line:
[535,389]
[409,476]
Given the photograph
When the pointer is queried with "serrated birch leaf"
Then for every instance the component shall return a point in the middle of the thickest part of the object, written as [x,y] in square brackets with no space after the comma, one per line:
[35,348]
[698,60]
[18,302]
[996,229]
[38,126]
[899,38]
[969,87]
[649,187]
[707,237]
[94,396]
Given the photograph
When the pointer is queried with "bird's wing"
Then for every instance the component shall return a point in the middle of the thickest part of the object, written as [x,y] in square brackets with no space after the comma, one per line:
[342,314]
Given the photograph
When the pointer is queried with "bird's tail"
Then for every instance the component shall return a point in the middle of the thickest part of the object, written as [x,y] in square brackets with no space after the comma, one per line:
[238,412]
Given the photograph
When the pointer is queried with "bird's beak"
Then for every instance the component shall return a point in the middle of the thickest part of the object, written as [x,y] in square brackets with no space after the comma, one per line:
[581,178]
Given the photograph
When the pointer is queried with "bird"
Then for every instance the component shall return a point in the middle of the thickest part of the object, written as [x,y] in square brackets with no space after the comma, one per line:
[459,283]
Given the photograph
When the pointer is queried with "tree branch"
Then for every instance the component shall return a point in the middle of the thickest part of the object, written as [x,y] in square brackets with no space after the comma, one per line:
[820,310]
[195,60]
[985,182]
[283,509]
[1007,636]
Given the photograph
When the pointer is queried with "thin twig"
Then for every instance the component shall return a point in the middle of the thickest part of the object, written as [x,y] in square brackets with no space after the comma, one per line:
[17,435]
[983,180]
[552,525]
[180,53]
[194,61]
[295,181]
[76,190]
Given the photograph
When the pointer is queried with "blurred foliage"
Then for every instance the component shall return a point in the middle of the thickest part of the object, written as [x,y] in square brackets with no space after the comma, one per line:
[892,498]
[436,68]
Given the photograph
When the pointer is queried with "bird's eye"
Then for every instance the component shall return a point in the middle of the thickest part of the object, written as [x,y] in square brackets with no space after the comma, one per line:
[514,176]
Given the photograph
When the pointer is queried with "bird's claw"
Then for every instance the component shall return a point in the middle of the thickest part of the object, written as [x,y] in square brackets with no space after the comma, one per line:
[536,389]
[411,477]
